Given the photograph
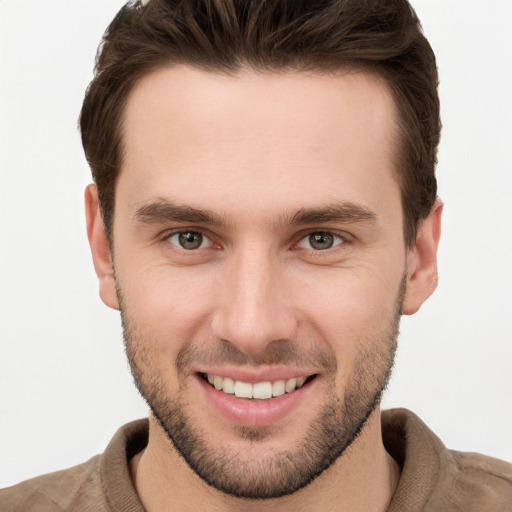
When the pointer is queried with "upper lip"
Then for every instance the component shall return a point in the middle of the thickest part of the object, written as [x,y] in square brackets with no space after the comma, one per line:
[254,375]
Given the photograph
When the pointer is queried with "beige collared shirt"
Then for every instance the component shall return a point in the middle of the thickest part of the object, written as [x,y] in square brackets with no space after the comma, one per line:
[433,478]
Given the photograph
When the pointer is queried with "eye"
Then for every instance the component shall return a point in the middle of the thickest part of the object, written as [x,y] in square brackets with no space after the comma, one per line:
[320,241]
[189,240]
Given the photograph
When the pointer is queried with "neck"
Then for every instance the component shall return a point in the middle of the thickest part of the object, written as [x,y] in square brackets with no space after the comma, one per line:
[363,479]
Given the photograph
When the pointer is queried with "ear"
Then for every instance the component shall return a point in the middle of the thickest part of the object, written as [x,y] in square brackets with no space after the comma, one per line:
[100,249]
[422,274]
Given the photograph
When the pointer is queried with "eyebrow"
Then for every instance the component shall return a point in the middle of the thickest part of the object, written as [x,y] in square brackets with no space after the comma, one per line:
[163,210]
[334,212]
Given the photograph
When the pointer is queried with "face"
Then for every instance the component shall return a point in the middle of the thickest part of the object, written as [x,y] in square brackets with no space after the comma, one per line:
[260,266]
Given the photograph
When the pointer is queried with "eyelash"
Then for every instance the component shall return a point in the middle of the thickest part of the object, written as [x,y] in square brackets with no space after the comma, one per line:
[166,238]
[343,239]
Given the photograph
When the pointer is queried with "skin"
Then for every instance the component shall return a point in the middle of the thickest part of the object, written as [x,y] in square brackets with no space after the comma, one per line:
[254,149]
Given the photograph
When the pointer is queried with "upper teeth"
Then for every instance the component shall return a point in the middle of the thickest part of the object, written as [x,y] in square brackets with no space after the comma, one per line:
[261,390]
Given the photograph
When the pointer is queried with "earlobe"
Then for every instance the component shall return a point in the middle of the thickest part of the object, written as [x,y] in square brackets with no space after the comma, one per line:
[422,274]
[100,249]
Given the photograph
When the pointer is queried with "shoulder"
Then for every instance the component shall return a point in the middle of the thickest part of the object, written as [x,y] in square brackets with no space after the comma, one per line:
[76,488]
[102,484]
[434,478]
[475,481]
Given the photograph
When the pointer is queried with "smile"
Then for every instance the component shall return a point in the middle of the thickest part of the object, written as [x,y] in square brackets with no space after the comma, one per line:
[258,390]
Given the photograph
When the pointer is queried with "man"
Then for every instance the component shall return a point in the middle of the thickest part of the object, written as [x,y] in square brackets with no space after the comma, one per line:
[264,210]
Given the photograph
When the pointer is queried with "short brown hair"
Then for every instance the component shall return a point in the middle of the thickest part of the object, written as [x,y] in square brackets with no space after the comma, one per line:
[381,36]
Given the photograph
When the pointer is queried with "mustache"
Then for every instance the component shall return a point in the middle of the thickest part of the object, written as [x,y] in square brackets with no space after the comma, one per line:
[279,352]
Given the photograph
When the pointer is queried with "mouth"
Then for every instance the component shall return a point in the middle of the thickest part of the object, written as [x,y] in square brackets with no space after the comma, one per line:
[264,390]
[246,399]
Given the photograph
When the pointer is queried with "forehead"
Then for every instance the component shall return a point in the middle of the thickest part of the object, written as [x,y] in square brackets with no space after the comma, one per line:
[257,137]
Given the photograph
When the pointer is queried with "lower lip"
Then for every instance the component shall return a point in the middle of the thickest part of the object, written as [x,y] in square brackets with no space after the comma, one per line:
[254,412]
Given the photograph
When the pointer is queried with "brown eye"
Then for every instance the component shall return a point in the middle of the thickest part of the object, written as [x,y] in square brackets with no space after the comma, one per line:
[320,241]
[189,240]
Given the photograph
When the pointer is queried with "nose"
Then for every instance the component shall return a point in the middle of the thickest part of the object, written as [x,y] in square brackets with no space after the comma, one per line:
[254,305]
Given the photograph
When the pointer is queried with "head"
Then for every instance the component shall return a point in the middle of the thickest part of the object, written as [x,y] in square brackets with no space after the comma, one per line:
[382,37]
[264,213]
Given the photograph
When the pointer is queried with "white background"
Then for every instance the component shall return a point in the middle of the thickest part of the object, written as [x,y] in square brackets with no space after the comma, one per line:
[64,383]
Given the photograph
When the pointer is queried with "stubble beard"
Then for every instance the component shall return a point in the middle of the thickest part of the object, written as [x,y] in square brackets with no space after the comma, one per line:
[337,425]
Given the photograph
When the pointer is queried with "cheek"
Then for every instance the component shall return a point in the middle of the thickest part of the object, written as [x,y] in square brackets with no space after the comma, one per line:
[351,310]
[170,306]
[349,297]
